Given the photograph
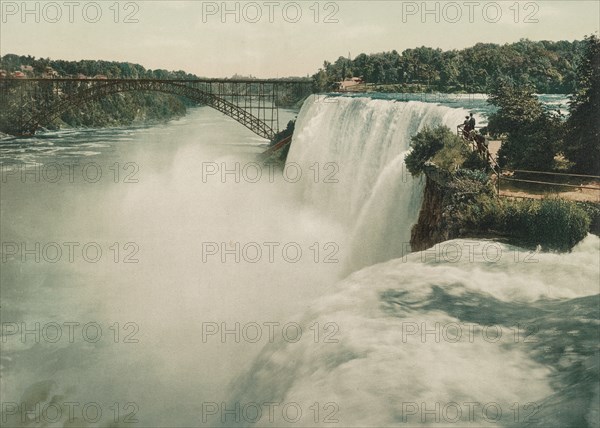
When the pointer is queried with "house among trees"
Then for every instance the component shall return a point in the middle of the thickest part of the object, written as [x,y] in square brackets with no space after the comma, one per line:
[349,82]
[27,69]
[3,74]
[49,73]
[19,75]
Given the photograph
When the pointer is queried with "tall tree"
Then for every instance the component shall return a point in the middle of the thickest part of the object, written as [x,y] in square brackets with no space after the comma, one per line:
[531,133]
[582,142]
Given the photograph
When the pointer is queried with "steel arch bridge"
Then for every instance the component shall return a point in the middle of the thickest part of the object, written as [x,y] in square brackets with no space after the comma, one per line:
[27,105]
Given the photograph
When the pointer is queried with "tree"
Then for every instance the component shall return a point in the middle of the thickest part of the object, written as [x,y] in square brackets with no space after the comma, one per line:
[532,133]
[582,142]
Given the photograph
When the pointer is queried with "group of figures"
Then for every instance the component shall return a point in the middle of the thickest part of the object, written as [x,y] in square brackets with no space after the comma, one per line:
[470,134]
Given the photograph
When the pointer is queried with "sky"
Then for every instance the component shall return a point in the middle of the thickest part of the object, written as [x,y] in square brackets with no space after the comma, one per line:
[275,38]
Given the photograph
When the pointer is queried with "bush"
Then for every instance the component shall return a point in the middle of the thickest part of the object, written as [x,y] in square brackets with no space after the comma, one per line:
[476,162]
[593,212]
[555,224]
[427,143]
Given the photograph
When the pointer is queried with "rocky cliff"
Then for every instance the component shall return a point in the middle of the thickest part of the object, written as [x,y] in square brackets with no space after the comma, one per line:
[431,227]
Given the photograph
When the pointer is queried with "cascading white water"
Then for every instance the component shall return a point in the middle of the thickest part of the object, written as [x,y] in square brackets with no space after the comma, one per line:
[359,360]
[469,333]
[361,143]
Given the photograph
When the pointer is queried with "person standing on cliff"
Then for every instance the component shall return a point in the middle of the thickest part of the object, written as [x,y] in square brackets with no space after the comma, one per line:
[466,127]
[471,123]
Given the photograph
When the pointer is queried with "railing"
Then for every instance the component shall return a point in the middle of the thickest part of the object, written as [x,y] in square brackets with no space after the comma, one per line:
[504,175]
[554,184]
[481,148]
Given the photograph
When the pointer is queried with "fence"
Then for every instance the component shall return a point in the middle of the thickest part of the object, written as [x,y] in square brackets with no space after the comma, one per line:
[551,186]
[507,175]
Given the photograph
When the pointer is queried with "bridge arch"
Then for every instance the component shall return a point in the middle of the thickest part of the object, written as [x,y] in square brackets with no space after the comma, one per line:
[110,87]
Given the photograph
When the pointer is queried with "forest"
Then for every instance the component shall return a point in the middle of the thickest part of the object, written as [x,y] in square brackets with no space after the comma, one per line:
[548,66]
[114,110]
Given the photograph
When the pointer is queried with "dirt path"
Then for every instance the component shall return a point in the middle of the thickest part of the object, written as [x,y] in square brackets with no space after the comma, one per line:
[575,194]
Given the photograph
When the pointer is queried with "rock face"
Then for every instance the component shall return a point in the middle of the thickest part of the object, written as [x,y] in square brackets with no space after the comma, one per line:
[429,229]
[432,226]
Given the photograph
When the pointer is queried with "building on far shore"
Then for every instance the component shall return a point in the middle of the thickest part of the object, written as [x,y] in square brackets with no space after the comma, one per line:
[49,73]
[349,83]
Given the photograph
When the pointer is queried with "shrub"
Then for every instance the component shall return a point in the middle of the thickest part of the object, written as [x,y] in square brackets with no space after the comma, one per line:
[427,143]
[475,161]
[555,224]
[593,211]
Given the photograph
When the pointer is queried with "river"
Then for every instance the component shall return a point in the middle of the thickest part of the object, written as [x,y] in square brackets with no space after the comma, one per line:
[159,276]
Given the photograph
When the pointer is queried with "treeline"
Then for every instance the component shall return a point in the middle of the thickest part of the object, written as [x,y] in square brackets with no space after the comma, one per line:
[550,67]
[90,68]
[114,110]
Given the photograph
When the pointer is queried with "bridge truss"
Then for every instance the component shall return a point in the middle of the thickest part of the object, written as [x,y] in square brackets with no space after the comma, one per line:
[27,105]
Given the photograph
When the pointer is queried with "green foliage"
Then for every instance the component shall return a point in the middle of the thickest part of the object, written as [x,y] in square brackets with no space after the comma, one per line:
[555,224]
[582,141]
[453,153]
[475,161]
[465,199]
[113,110]
[533,134]
[475,175]
[593,212]
[426,144]
[90,68]
[548,66]
[471,207]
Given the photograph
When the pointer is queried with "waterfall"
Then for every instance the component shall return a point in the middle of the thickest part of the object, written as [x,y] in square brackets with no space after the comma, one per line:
[359,144]
[467,333]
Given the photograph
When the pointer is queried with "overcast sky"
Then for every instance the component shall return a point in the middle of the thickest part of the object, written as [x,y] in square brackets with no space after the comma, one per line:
[274,38]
